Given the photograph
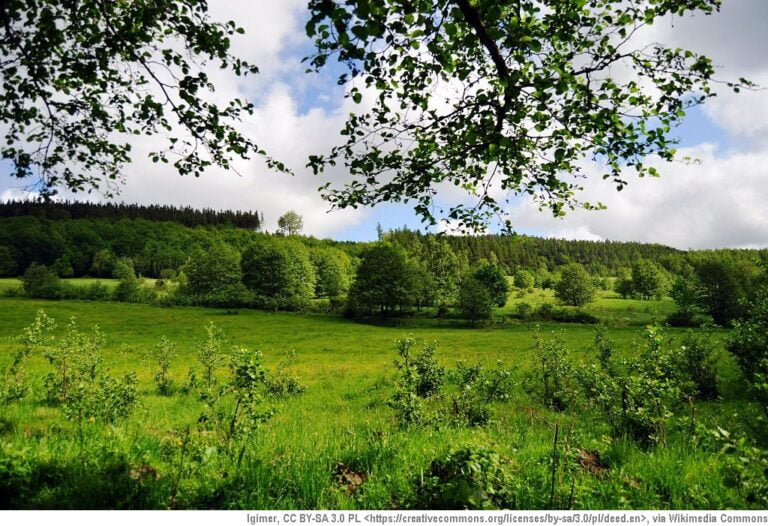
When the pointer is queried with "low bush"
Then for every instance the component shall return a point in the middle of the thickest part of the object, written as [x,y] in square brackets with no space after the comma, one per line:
[551,381]
[40,281]
[638,397]
[161,356]
[280,383]
[478,387]
[14,384]
[683,318]
[420,378]
[474,478]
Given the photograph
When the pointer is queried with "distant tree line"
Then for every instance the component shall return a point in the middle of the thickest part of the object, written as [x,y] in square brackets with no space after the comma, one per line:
[602,258]
[186,216]
[402,273]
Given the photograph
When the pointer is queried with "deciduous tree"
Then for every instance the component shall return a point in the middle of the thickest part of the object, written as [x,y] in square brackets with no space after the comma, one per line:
[82,77]
[508,95]
[575,286]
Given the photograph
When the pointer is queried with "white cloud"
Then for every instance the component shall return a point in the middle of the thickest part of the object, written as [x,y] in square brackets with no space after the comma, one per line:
[274,30]
[718,202]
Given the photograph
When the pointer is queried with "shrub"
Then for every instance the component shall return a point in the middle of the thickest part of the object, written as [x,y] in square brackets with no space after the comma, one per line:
[698,364]
[548,312]
[209,353]
[524,280]
[162,355]
[421,377]
[127,288]
[524,311]
[745,466]
[41,282]
[232,296]
[748,343]
[638,397]
[429,375]
[466,478]
[478,387]
[682,318]
[95,292]
[552,372]
[280,383]
[32,338]
[76,357]
[101,398]
[233,411]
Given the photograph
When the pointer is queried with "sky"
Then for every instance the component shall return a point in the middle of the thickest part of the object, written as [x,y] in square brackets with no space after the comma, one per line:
[721,200]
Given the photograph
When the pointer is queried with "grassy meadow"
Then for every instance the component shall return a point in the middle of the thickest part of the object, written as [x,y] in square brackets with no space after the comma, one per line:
[338,444]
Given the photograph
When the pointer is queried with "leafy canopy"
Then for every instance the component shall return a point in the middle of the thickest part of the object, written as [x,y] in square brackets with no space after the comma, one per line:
[79,77]
[501,97]
[497,97]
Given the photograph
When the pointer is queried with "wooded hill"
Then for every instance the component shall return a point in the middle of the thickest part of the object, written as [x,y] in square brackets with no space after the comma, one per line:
[76,237]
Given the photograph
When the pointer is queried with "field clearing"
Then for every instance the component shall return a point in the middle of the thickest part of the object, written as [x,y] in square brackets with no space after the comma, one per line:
[15,283]
[342,417]
[608,306]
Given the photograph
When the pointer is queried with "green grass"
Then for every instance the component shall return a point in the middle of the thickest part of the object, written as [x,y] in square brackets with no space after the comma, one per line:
[608,306]
[343,416]
[15,283]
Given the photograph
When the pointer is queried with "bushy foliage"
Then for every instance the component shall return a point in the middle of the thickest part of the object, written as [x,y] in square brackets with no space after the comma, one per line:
[624,286]
[477,388]
[444,268]
[494,279]
[127,288]
[748,343]
[548,312]
[474,478]
[475,301]
[8,265]
[209,353]
[746,466]
[722,289]
[648,280]
[40,281]
[524,279]
[101,398]
[79,382]
[76,358]
[279,273]
[384,280]
[162,355]
[420,378]
[280,383]
[333,270]
[637,397]
[575,286]
[33,338]
[551,381]
[698,365]
[749,340]
[234,410]
[214,277]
